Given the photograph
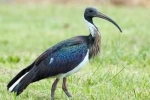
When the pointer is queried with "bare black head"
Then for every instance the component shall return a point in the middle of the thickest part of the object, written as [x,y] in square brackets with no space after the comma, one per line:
[91,12]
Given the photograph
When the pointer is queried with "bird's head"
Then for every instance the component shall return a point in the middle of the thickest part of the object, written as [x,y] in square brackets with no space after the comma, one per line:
[91,12]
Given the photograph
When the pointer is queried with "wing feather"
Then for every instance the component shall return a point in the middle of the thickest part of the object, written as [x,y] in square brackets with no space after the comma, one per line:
[66,43]
[66,56]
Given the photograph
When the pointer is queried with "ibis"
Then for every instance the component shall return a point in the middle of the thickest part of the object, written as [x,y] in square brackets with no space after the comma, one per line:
[63,59]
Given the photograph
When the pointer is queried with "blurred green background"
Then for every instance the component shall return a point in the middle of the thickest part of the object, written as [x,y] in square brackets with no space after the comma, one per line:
[120,72]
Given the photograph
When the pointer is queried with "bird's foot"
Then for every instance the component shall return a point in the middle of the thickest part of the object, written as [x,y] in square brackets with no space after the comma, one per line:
[52,98]
[67,93]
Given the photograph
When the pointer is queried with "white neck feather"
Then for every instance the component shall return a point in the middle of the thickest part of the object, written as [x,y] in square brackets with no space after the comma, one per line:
[92,28]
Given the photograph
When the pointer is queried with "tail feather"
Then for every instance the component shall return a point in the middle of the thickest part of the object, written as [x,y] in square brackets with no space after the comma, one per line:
[21,80]
[25,81]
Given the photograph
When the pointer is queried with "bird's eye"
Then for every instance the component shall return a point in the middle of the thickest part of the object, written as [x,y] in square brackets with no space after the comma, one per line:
[90,11]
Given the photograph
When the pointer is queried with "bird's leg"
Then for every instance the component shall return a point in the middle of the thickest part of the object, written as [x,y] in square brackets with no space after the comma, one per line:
[54,88]
[64,87]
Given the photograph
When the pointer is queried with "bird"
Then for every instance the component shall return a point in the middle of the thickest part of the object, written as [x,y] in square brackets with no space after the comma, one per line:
[63,59]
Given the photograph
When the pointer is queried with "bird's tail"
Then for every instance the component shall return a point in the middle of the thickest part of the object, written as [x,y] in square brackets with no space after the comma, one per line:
[21,80]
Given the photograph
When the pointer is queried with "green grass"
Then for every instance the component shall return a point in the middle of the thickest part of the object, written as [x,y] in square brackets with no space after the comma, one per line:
[121,72]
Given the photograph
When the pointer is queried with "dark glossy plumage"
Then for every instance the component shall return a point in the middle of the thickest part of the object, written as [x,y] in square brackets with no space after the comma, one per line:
[62,59]
[66,56]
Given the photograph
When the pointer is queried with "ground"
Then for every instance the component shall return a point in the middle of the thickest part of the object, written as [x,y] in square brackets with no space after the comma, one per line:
[120,72]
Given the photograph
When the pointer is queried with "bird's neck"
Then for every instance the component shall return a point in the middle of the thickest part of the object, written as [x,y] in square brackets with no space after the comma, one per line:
[94,38]
[94,45]
[93,29]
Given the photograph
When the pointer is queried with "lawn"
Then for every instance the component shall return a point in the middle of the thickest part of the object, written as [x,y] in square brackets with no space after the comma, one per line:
[120,72]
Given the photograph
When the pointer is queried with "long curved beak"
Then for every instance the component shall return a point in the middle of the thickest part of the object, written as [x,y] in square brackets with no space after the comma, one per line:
[100,15]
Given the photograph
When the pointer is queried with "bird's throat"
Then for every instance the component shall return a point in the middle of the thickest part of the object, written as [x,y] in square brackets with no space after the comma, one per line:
[93,29]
